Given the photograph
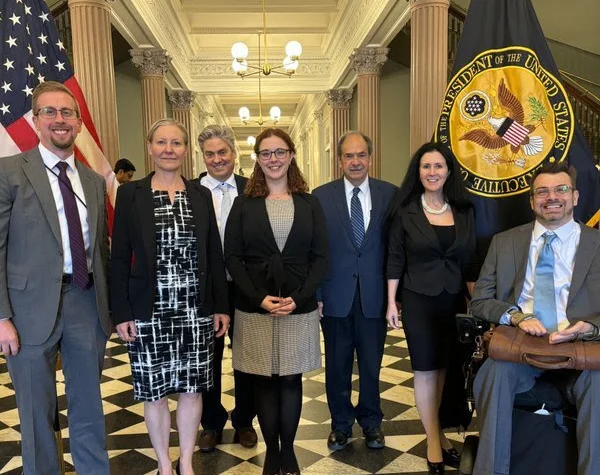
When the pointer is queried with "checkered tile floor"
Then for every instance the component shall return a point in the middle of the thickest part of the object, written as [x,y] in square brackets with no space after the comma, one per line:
[131,453]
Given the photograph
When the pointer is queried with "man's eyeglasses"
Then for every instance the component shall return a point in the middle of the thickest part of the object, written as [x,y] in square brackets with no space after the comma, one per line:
[558,190]
[280,153]
[219,153]
[50,113]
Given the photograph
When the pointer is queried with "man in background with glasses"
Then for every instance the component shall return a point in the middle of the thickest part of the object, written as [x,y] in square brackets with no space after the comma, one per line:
[542,277]
[53,286]
[352,298]
[217,143]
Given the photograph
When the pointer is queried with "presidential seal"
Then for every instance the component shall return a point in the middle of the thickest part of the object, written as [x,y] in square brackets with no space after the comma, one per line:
[503,116]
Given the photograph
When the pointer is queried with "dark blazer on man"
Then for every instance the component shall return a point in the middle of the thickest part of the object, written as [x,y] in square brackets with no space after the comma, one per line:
[133,264]
[347,262]
[257,266]
[415,253]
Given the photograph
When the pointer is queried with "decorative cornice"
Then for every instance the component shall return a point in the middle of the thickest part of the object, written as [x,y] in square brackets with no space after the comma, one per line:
[210,67]
[182,99]
[369,60]
[151,61]
[339,98]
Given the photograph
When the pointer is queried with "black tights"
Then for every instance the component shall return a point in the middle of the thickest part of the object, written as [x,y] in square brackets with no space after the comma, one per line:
[278,402]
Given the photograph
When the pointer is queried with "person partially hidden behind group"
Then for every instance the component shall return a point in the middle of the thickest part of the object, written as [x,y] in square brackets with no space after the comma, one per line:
[169,291]
[432,238]
[275,249]
[124,171]
[543,278]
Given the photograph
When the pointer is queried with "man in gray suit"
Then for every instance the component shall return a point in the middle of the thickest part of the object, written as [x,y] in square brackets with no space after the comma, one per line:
[562,258]
[53,286]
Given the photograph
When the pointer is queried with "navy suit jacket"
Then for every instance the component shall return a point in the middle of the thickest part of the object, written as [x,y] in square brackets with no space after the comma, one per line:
[347,263]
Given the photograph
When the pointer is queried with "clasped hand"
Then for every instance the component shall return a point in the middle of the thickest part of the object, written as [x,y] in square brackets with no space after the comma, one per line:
[534,327]
[278,306]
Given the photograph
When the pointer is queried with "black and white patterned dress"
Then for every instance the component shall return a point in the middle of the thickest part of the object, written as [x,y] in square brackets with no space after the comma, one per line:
[173,352]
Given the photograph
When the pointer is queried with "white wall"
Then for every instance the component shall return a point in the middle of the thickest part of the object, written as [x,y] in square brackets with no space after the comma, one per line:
[395,121]
[129,112]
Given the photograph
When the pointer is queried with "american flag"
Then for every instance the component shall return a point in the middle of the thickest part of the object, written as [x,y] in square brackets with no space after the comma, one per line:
[31,52]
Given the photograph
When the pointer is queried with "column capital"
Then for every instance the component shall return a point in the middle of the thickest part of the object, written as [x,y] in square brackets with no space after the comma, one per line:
[369,60]
[415,4]
[182,99]
[318,116]
[339,98]
[95,3]
[151,61]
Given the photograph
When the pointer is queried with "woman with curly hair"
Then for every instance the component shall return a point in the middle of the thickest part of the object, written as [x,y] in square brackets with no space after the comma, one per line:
[275,251]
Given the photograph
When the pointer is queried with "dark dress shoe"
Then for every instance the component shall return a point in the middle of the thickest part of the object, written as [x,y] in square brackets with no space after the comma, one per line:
[451,457]
[246,437]
[337,440]
[177,469]
[435,468]
[208,440]
[374,438]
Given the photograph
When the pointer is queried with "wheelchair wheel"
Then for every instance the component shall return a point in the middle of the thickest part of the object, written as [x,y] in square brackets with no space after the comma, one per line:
[469,452]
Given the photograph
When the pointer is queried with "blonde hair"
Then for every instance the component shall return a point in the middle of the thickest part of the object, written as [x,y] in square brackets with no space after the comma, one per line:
[162,122]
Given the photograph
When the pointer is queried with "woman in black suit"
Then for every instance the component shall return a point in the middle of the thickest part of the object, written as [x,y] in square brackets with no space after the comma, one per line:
[168,291]
[275,249]
[432,238]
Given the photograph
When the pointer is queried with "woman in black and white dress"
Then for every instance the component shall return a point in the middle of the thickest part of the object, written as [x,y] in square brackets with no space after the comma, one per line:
[275,249]
[168,291]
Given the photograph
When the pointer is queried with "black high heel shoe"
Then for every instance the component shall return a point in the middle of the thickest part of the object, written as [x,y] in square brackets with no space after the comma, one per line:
[435,468]
[177,470]
[451,457]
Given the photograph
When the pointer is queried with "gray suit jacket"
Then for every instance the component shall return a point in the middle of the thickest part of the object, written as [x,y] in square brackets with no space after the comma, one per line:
[501,279]
[31,253]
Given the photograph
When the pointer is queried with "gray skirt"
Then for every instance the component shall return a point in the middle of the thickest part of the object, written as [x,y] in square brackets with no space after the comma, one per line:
[267,345]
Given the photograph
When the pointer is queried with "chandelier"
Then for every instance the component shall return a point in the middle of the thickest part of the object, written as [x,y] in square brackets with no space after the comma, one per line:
[244,112]
[239,51]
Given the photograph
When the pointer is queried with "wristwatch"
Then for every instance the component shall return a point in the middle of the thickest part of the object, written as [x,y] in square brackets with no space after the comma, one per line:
[516,316]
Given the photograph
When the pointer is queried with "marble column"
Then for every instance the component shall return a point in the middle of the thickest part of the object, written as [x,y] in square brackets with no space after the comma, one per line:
[182,101]
[95,70]
[339,122]
[367,62]
[429,67]
[153,64]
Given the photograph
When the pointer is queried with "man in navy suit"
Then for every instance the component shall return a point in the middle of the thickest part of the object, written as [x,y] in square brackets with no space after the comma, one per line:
[217,143]
[352,297]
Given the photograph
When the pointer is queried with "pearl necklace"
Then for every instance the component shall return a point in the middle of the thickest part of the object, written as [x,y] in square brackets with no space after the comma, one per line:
[431,210]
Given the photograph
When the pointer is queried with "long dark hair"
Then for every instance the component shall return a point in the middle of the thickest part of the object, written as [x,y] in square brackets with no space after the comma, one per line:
[454,189]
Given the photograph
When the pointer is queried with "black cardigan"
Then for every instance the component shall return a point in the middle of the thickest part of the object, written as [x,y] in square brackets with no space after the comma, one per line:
[255,263]
[133,258]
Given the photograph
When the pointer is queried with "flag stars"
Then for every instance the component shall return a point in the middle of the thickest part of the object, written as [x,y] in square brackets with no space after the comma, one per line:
[43,38]
[60,66]
[43,17]
[4,109]
[11,41]
[8,64]
[28,91]
[41,78]
[27,10]
[15,19]
[60,45]
[27,29]
[29,70]
[29,49]
[6,87]
[41,58]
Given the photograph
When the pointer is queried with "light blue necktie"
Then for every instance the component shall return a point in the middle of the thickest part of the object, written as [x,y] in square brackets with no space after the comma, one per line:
[544,295]
[226,203]
[356,218]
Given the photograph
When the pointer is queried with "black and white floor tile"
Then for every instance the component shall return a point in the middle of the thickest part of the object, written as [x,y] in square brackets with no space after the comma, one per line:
[131,453]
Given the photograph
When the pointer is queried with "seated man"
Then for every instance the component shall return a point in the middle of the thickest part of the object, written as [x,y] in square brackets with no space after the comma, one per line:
[562,258]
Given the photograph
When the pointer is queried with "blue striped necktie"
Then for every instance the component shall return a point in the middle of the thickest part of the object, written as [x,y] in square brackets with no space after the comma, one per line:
[357,218]
[544,295]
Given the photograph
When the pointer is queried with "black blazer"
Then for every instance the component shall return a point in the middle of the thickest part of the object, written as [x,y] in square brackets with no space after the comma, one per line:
[133,258]
[416,257]
[255,263]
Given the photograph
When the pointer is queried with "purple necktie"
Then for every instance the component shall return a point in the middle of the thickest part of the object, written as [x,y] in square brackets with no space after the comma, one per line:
[78,258]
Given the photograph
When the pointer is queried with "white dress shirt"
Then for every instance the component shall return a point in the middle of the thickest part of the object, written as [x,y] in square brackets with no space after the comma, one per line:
[364,196]
[50,160]
[215,186]
[564,249]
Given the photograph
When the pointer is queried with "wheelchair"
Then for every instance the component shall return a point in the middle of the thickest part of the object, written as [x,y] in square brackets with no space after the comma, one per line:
[544,421]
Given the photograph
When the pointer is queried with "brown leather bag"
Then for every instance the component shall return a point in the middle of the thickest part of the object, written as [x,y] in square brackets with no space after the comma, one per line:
[508,343]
